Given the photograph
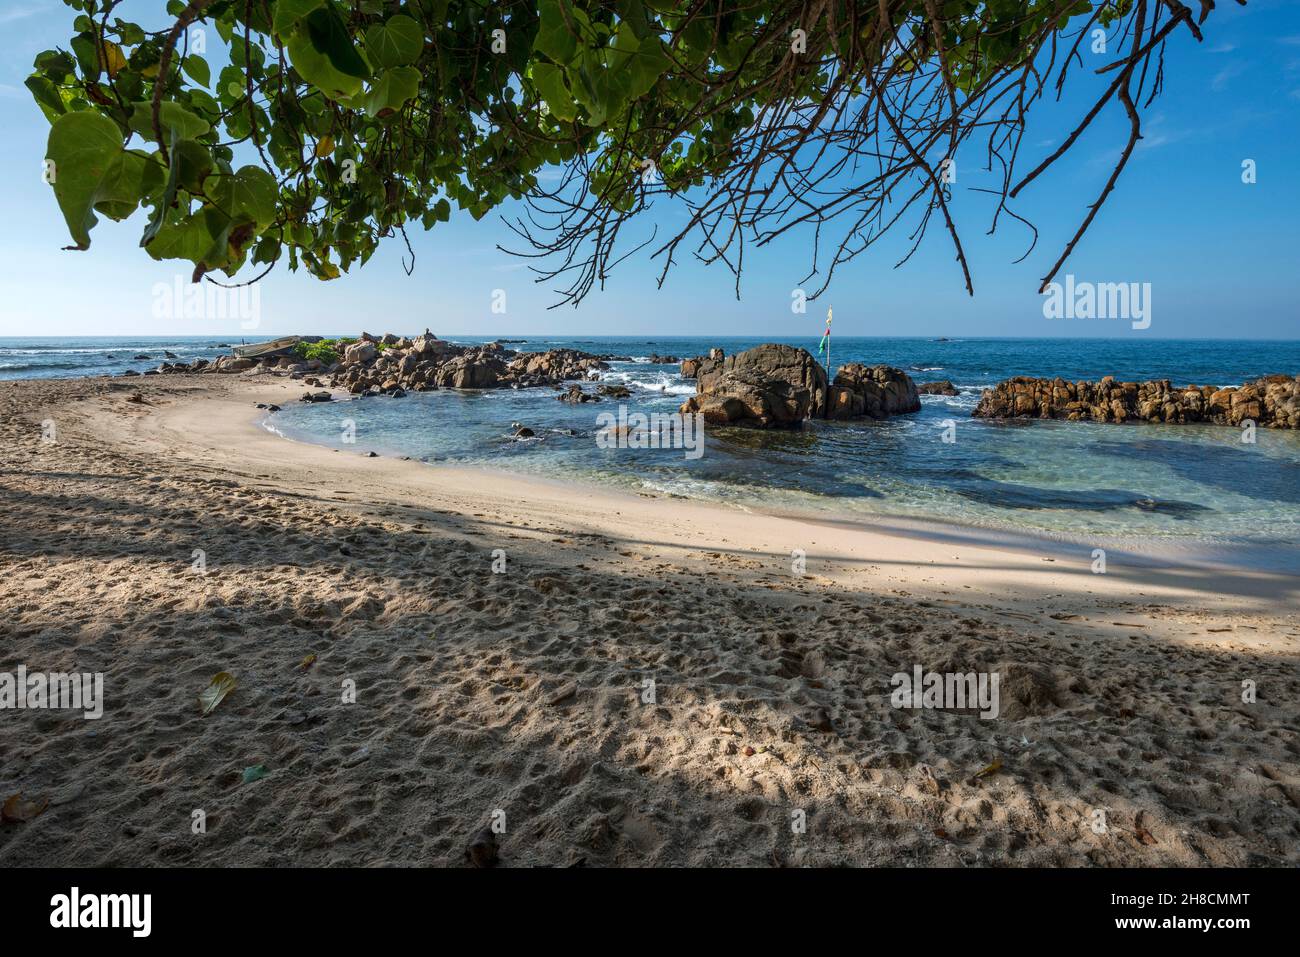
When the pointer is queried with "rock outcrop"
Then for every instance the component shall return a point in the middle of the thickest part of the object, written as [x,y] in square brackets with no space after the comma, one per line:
[1273,401]
[770,385]
[394,365]
[427,362]
[873,391]
[775,386]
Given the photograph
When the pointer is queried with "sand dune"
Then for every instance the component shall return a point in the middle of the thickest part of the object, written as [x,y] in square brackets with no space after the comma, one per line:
[526,692]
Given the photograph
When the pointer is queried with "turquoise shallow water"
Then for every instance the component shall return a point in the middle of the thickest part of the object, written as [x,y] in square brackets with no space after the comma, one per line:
[1137,483]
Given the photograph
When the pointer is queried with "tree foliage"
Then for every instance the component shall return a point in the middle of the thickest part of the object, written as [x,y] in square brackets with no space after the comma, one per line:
[252,130]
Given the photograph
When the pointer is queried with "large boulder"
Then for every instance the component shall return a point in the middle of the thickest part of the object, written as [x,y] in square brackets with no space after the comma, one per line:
[360,353]
[875,391]
[771,385]
[470,372]
[427,346]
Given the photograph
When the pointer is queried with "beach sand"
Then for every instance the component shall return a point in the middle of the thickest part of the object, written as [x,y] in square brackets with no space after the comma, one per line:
[526,695]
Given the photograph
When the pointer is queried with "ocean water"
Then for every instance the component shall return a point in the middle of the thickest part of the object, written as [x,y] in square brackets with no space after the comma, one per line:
[65,357]
[1071,480]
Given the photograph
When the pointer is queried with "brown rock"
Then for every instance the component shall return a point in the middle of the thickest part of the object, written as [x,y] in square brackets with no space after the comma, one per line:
[771,385]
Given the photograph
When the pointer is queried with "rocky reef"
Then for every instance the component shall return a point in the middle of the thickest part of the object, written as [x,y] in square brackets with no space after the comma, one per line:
[395,365]
[1273,401]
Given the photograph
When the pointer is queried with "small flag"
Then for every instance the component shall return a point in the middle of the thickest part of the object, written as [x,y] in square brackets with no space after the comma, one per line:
[826,338]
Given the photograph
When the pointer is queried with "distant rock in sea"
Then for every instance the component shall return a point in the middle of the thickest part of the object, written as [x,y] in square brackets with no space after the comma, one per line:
[943,387]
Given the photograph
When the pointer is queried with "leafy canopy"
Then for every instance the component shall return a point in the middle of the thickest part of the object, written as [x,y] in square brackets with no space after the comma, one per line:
[255,129]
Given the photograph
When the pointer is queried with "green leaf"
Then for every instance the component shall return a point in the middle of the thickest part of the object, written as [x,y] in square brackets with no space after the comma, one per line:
[329,36]
[316,68]
[83,146]
[290,13]
[47,97]
[55,63]
[391,90]
[172,117]
[549,80]
[639,62]
[127,181]
[398,42]
[249,194]
[555,38]
[200,238]
[197,69]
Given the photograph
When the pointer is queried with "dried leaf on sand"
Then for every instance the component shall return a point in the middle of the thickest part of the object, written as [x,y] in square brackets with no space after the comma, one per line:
[18,808]
[220,686]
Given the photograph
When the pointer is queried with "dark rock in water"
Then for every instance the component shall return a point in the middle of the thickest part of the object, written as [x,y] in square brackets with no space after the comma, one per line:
[482,850]
[575,395]
[168,355]
[316,397]
[614,391]
[943,387]
[1272,402]
[776,385]
[875,391]
[524,432]
[261,405]
[130,372]
[772,385]
[272,408]
[142,355]
[657,359]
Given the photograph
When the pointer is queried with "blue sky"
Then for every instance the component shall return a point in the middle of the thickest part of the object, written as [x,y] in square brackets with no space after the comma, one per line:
[1221,256]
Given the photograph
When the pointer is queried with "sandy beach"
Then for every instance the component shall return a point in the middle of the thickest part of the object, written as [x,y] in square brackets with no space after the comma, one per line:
[642,680]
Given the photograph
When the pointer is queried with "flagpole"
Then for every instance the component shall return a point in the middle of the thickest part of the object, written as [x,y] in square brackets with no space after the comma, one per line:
[829,394]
